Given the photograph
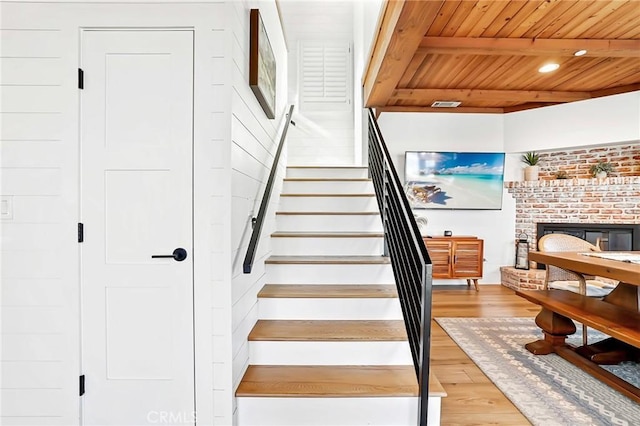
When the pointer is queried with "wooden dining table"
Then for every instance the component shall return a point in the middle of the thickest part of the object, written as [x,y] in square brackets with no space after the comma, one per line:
[616,315]
[628,274]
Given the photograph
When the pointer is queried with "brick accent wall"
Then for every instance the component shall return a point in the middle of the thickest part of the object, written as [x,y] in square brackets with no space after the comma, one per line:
[610,200]
[576,163]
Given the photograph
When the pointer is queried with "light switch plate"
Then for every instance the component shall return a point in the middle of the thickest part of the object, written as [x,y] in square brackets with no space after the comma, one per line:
[6,207]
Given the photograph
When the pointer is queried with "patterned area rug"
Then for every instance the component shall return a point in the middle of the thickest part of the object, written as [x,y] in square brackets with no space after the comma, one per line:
[547,389]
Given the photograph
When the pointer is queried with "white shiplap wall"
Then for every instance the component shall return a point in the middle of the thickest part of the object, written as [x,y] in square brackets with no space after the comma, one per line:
[322,138]
[324,131]
[254,142]
[39,254]
[40,175]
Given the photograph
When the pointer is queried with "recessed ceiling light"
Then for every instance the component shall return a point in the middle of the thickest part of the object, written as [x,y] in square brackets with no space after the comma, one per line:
[548,67]
[580,52]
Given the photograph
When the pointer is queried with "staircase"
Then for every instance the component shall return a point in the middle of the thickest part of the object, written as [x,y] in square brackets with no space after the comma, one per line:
[330,347]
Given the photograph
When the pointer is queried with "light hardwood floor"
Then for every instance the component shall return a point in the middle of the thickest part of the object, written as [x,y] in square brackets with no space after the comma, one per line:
[472,398]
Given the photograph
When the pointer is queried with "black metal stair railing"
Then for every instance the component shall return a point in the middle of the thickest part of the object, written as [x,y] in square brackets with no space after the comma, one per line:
[257,221]
[410,261]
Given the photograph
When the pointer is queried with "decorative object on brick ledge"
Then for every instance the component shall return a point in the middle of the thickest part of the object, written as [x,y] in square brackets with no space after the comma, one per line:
[577,161]
[522,252]
[531,159]
[561,174]
[601,169]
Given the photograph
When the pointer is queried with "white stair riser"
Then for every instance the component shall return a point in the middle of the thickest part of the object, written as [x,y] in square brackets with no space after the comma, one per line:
[291,246]
[328,204]
[399,411]
[330,353]
[328,172]
[328,223]
[327,187]
[329,274]
[330,309]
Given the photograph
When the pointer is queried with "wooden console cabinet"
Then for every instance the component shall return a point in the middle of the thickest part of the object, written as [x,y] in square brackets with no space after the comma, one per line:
[456,257]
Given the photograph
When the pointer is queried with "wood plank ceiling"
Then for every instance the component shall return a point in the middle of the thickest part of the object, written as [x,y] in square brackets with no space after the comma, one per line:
[486,53]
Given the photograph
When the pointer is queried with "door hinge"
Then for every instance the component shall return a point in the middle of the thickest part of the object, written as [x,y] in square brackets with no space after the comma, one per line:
[80,78]
[81,385]
[80,232]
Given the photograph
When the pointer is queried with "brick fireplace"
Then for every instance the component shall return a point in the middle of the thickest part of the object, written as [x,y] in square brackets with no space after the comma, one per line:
[614,200]
[611,201]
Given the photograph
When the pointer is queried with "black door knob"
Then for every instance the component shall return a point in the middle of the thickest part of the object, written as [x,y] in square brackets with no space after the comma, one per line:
[178,255]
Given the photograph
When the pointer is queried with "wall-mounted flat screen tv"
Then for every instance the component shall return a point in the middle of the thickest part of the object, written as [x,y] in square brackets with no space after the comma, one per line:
[454,180]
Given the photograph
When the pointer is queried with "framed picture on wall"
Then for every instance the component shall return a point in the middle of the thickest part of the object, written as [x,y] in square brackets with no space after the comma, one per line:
[262,65]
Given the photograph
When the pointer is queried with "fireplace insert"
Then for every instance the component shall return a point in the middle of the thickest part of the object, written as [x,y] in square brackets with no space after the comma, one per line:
[608,236]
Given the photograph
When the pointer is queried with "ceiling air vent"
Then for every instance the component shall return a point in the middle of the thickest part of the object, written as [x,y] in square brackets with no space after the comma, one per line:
[445,104]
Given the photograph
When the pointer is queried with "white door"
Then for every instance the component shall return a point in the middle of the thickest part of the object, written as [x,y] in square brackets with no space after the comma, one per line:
[136,201]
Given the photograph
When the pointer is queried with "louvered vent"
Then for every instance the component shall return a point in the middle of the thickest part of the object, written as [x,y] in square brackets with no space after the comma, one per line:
[325,75]
[445,104]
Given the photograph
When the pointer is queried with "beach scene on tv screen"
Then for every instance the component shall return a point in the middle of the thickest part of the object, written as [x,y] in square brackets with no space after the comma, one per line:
[454,180]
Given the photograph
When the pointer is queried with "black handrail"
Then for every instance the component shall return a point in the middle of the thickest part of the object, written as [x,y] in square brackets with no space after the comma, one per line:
[410,261]
[257,221]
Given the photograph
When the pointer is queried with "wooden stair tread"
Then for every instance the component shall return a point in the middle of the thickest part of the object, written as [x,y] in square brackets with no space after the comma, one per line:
[291,234]
[328,260]
[351,195]
[329,330]
[325,179]
[327,213]
[328,381]
[328,291]
[334,381]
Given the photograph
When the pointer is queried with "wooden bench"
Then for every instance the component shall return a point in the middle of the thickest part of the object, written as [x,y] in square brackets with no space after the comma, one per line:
[621,323]
[559,307]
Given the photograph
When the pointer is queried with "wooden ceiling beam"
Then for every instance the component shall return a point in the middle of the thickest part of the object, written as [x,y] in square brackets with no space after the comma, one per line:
[387,21]
[408,108]
[529,105]
[463,95]
[403,27]
[530,46]
[616,90]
